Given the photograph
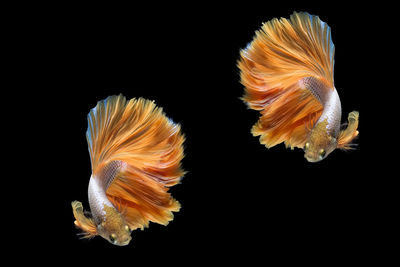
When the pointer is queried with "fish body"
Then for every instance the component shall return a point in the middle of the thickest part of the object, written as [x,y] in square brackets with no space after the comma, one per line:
[135,151]
[287,72]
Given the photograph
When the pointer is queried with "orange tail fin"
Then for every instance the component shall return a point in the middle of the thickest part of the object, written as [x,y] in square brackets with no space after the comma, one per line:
[139,134]
[282,53]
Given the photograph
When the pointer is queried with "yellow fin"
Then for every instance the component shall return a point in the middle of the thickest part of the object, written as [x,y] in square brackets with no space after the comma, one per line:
[81,221]
[348,135]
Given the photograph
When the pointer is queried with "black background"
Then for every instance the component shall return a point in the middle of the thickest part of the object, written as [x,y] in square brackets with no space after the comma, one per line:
[240,201]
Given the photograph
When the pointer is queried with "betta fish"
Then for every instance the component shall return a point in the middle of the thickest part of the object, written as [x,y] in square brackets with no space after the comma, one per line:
[135,153]
[287,72]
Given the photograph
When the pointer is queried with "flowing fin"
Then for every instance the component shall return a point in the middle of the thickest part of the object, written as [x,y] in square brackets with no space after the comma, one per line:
[288,119]
[143,197]
[81,221]
[347,136]
[139,134]
[272,67]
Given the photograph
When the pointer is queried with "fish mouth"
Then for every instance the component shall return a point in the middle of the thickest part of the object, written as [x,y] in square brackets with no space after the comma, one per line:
[309,159]
[123,243]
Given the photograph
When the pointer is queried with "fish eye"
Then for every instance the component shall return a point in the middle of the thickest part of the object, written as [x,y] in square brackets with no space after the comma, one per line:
[127,228]
[113,238]
[307,145]
[322,153]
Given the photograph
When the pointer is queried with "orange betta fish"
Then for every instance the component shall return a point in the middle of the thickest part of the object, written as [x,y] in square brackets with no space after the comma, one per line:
[135,152]
[287,71]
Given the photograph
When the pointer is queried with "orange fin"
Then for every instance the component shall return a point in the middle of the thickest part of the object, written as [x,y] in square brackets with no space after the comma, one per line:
[281,54]
[138,133]
[143,198]
[288,119]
